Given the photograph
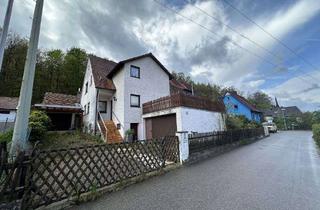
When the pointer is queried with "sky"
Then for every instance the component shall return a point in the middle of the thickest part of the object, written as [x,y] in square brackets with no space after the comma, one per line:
[206,39]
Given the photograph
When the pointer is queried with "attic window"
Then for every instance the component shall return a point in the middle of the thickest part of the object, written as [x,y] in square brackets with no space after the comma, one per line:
[91,80]
[236,106]
[134,71]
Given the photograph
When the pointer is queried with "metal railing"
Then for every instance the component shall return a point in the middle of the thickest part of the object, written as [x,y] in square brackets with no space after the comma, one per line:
[100,120]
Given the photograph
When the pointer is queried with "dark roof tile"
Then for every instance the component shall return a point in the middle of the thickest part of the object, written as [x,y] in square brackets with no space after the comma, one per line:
[60,99]
[100,69]
[9,103]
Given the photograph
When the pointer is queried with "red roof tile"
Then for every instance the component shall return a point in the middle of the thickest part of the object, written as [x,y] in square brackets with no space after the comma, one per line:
[60,99]
[100,69]
[9,103]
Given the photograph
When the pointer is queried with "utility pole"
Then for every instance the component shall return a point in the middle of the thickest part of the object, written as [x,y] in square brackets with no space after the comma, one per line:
[19,139]
[5,31]
[284,118]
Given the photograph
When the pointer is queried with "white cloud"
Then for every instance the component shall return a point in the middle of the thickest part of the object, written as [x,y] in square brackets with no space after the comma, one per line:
[302,91]
[120,29]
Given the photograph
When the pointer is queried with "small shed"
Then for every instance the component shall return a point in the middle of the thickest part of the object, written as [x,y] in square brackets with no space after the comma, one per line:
[8,110]
[64,110]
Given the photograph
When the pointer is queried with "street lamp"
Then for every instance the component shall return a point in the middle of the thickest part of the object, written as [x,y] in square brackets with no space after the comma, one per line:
[284,118]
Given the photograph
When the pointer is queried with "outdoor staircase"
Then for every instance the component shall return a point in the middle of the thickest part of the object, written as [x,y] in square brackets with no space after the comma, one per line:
[113,134]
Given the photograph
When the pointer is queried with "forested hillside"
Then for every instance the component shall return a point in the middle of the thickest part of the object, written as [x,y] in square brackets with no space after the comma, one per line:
[56,70]
[63,72]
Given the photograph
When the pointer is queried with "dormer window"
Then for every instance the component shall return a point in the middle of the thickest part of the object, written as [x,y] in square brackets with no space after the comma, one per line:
[134,71]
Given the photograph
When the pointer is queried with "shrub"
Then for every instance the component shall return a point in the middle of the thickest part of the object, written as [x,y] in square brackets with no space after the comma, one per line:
[316,133]
[6,136]
[234,122]
[38,123]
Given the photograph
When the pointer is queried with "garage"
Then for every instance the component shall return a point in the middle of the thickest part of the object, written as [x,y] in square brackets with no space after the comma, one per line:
[161,126]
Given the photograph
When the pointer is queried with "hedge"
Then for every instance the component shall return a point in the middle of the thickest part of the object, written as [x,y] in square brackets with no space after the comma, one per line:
[316,133]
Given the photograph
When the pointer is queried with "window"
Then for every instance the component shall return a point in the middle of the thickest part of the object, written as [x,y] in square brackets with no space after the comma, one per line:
[102,106]
[236,106]
[134,100]
[85,109]
[86,88]
[134,71]
[4,112]
[88,109]
[90,80]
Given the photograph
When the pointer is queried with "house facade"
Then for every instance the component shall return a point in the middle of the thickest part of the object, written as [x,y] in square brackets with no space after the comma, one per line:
[8,111]
[115,98]
[237,105]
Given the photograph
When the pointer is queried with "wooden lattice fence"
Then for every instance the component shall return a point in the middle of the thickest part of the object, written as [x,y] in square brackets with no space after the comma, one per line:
[202,141]
[58,174]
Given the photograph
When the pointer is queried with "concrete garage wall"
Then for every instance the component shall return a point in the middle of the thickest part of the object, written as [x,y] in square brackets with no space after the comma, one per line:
[196,120]
[193,120]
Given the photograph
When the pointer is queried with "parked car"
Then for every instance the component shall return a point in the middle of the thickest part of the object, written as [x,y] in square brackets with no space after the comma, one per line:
[272,127]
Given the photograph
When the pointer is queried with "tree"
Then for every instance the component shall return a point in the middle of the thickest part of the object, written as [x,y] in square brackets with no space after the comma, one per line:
[261,100]
[13,66]
[55,70]
[316,117]
[74,67]
[305,122]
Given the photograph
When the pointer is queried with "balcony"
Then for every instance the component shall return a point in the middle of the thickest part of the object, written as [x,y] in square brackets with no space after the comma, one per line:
[183,100]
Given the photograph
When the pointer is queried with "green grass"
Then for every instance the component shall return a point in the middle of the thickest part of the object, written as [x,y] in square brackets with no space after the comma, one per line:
[57,140]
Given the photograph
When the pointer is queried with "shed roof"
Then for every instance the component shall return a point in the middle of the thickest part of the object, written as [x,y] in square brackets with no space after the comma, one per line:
[9,103]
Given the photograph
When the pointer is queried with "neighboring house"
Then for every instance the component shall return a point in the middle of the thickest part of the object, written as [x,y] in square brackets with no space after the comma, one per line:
[281,111]
[8,110]
[180,87]
[64,110]
[238,105]
[135,94]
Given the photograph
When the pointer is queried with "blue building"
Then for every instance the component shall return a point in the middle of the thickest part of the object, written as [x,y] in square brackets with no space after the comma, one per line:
[238,105]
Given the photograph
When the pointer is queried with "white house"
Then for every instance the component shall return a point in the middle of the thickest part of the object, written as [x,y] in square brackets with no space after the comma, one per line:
[137,94]
[8,110]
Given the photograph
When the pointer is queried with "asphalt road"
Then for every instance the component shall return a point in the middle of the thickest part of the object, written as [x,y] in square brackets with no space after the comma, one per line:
[279,172]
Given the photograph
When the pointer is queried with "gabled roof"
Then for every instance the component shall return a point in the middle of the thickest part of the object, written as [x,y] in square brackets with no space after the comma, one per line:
[244,102]
[181,85]
[60,99]
[289,111]
[9,103]
[100,69]
[121,64]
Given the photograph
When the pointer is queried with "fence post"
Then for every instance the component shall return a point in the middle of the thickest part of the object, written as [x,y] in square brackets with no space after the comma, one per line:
[266,131]
[183,145]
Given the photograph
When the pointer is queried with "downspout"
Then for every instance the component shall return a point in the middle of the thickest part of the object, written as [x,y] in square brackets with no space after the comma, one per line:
[96,113]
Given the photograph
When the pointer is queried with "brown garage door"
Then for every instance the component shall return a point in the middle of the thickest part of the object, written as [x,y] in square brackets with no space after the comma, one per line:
[161,126]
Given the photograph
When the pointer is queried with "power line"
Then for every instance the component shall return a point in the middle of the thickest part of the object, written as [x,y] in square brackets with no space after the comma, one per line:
[242,35]
[209,30]
[273,37]
[232,29]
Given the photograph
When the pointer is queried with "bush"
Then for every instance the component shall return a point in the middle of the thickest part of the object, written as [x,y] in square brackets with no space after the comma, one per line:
[6,136]
[38,123]
[316,133]
[235,122]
